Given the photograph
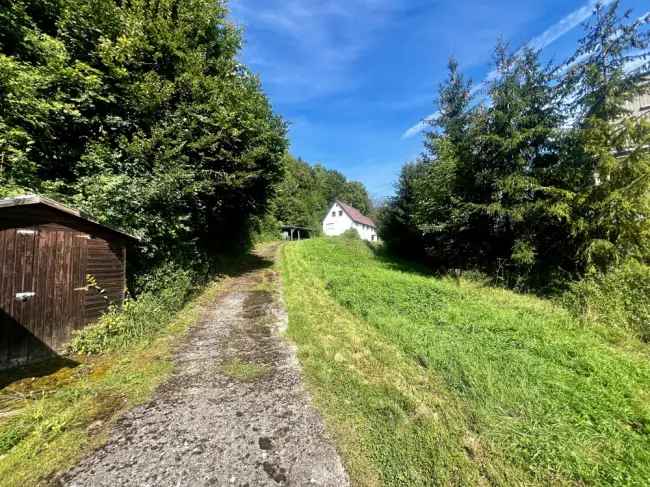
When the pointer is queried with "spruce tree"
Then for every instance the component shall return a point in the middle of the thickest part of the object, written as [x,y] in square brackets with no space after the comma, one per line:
[612,202]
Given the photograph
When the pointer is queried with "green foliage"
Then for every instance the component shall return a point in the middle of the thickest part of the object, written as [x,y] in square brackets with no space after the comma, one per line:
[546,180]
[397,226]
[140,114]
[617,299]
[351,234]
[440,381]
[162,294]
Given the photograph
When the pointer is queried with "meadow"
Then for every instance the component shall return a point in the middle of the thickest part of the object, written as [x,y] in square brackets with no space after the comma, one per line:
[427,380]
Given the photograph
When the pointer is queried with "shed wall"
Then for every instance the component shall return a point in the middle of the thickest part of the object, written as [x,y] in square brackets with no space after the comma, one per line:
[51,255]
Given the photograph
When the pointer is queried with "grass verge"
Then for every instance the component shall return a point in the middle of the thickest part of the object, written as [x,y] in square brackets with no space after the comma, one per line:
[430,381]
[48,422]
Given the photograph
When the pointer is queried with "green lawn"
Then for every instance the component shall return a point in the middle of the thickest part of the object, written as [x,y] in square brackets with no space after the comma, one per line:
[430,381]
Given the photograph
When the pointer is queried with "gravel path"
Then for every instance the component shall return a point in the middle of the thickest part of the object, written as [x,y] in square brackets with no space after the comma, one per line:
[234,413]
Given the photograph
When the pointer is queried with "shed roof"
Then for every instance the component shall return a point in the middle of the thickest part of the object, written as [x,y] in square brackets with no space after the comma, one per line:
[33,200]
[355,214]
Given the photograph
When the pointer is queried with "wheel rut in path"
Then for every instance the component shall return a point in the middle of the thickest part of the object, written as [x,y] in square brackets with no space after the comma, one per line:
[235,412]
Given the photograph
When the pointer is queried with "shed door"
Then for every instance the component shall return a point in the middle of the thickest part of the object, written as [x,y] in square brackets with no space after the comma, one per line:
[41,290]
[62,261]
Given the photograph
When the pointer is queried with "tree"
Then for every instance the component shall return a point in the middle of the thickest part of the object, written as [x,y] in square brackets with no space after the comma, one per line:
[306,192]
[140,113]
[397,227]
[453,115]
[432,182]
[612,198]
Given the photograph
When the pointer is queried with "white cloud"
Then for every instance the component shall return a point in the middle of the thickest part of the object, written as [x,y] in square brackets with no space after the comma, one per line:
[566,25]
[540,42]
[419,127]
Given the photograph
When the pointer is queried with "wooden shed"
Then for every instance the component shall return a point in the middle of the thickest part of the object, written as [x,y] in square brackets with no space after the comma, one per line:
[60,270]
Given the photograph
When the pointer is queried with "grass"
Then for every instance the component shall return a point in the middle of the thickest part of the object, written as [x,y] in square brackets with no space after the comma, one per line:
[48,422]
[437,381]
[244,371]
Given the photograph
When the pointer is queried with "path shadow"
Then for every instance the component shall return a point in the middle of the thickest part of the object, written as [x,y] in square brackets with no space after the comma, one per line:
[236,265]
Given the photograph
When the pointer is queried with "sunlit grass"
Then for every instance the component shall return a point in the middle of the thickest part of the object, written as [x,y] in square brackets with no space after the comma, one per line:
[435,381]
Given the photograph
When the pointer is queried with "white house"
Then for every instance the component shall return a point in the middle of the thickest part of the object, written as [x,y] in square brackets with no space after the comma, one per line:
[342,217]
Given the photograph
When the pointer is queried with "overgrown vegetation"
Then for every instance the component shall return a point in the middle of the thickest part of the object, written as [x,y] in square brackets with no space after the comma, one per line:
[444,381]
[545,179]
[164,292]
[617,299]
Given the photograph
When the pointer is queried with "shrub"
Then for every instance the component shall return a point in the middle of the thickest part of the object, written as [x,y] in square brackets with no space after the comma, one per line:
[163,293]
[618,298]
[351,234]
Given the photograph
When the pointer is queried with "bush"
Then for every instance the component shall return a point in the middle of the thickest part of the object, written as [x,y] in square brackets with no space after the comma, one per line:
[619,298]
[163,293]
[351,234]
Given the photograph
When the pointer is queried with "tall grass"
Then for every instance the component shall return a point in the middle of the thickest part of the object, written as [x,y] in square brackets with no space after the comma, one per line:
[430,381]
[619,299]
[163,293]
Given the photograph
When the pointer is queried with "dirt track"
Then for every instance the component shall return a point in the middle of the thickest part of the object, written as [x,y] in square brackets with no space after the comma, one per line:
[234,413]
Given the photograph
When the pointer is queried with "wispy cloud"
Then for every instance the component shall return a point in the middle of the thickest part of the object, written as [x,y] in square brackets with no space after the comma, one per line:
[566,25]
[545,39]
[420,126]
[320,42]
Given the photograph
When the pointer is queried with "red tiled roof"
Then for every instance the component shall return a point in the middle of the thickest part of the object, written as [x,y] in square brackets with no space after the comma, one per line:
[355,214]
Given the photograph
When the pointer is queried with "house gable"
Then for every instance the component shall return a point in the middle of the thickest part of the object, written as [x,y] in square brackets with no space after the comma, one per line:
[341,217]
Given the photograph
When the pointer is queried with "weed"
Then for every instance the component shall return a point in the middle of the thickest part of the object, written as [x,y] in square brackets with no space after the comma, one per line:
[244,371]
[617,299]
[164,293]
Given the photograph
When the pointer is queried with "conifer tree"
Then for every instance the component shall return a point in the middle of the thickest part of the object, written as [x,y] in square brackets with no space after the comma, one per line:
[612,202]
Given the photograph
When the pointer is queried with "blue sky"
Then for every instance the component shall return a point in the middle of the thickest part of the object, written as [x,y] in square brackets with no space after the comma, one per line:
[354,77]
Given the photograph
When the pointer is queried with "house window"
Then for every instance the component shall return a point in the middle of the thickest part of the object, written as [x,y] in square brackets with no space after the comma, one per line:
[340,213]
[333,213]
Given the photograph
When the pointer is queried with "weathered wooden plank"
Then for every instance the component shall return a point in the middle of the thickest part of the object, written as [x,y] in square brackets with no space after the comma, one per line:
[20,337]
[49,311]
[68,290]
[57,303]
[28,306]
[5,318]
[40,300]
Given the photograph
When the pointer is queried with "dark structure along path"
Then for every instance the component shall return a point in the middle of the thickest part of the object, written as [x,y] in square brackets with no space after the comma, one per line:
[59,271]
